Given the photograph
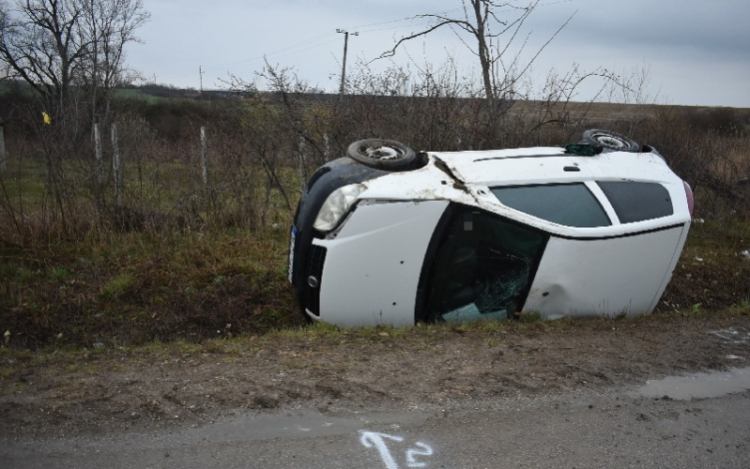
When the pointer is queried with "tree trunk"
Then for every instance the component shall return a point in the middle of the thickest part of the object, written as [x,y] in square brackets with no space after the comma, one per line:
[2,149]
[483,50]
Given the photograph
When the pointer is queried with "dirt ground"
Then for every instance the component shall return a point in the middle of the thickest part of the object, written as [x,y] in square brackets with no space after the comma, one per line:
[424,368]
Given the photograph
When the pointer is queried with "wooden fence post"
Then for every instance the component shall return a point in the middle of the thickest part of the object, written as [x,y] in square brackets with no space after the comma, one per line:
[99,168]
[204,156]
[2,148]
[98,155]
[116,167]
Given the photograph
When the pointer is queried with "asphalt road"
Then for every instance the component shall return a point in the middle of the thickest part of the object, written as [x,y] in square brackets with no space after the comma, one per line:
[705,423]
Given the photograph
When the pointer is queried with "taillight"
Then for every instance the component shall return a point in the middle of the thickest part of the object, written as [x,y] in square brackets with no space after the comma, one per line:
[690,198]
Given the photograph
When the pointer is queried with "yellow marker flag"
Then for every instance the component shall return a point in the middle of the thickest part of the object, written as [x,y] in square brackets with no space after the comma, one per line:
[47,118]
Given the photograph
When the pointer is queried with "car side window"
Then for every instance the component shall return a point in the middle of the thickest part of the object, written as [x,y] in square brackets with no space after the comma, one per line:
[564,204]
[637,201]
[483,268]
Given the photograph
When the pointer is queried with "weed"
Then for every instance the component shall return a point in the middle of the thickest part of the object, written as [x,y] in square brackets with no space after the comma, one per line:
[741,308]
[696,309]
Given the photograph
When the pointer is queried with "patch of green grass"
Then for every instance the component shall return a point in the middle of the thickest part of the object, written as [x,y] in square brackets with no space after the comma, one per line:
[117,285]
[137,94]
[531,317]
[24,184]
[311,331]
[59,273]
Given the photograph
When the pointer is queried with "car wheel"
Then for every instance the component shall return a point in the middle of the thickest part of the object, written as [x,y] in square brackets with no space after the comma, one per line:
[608,140]
[387,155]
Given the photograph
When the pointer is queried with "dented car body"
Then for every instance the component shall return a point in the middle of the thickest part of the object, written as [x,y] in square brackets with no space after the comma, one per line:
[460,236]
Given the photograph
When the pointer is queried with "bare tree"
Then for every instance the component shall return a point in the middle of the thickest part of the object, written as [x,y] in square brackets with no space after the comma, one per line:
[58,45]
[482,20]
[110,25]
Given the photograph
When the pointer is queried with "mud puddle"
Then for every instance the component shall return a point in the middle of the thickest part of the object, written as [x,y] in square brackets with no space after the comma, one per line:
[699,385]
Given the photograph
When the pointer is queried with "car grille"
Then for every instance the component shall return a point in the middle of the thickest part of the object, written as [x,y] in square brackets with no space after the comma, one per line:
[317,260]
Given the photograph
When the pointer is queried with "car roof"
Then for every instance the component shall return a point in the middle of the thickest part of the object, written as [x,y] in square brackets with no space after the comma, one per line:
[463,177]
[545,165]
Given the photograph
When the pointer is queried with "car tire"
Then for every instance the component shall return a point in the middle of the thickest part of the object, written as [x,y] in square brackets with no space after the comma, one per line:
[611,141]
[387,155]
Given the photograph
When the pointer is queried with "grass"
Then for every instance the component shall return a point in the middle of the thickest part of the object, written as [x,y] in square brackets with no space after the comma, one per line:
[126,288]
[157,193]
[711,274]
[118,289]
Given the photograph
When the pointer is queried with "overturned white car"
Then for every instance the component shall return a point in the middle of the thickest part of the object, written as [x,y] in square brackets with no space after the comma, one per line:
[391,237]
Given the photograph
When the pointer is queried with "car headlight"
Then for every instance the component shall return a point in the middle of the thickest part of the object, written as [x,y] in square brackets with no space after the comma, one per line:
[336,206]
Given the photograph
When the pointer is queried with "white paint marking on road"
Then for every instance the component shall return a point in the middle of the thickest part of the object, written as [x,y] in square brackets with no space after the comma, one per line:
[370,439]
[411,453]
[377,440]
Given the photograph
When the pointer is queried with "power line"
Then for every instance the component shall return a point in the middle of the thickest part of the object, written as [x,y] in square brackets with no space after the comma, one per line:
[330,37]
[285,54]
[410,18]
[422,23]
[292,46]
[330,41]
[289,50]
[421,16]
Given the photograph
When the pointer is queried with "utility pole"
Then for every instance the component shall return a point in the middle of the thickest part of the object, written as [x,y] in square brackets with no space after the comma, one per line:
[200,72]
[342,90]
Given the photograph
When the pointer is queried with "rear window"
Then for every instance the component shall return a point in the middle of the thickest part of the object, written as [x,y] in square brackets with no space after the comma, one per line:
[637,201]
[564,204]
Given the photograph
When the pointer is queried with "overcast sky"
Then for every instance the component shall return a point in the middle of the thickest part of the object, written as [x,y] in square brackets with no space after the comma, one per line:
[694,52]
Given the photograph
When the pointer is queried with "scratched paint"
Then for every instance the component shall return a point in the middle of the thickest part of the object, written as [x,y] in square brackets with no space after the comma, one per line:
[413,457]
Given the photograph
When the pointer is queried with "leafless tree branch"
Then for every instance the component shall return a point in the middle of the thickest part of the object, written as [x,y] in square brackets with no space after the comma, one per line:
[57,45]
[485,21]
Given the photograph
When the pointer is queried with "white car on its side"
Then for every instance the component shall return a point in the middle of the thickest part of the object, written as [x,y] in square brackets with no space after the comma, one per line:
[388,236]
